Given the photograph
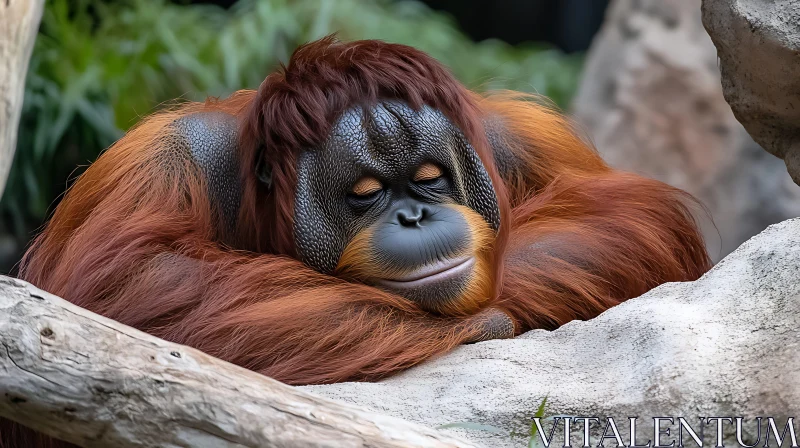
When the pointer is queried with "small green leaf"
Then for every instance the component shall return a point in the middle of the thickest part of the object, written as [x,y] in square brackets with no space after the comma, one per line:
[540,412]
[533,441]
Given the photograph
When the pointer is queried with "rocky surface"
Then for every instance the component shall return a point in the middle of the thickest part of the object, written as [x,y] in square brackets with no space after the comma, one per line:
[652,101]
[724,345]
[758,44]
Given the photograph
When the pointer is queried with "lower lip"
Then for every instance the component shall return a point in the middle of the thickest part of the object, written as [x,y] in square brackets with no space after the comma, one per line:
[455,269]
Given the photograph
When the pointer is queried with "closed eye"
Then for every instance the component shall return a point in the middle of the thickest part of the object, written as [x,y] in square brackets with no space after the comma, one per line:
[427,172]
[366,187]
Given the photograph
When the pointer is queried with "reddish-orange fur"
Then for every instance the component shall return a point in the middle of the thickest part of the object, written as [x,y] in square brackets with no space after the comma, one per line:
[135,238]
[599,236]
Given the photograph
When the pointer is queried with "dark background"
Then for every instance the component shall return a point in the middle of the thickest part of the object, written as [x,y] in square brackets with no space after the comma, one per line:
[567,24]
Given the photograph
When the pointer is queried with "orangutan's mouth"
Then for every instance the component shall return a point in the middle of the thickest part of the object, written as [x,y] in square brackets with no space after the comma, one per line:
[430,274]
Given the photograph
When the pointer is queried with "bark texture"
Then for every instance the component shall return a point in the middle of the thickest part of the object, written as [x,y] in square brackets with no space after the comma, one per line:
[19,22]
[80,377]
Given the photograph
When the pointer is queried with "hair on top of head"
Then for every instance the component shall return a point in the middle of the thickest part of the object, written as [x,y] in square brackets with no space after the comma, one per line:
[296,106]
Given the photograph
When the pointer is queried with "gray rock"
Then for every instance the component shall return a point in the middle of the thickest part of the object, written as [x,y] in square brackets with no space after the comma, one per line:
[724,345]
[758,43]
[651,100]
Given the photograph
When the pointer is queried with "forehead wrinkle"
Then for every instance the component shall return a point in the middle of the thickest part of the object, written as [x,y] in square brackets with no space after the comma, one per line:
[347,140]
[384,122]
[432,118]
[389,138]
[348,129]
[343,158]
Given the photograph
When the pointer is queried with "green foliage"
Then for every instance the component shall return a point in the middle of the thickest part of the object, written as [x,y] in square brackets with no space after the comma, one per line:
[99,66]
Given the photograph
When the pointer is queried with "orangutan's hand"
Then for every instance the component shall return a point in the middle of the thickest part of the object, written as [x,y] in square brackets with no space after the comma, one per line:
[489,324]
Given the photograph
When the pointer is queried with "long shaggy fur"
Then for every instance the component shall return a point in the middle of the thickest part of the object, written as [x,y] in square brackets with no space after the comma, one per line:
[135,239]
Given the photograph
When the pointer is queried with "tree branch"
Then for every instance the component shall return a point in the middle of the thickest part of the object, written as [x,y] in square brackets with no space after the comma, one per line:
[80,377]
[19,21]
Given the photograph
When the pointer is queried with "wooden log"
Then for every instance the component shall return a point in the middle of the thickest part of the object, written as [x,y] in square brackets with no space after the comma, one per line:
[80,377]
[19,22]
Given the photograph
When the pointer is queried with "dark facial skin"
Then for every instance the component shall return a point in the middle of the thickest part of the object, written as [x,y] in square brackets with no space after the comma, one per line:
[393,175]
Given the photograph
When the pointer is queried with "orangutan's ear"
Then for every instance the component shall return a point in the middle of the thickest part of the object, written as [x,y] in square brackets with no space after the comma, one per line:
[264,170]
